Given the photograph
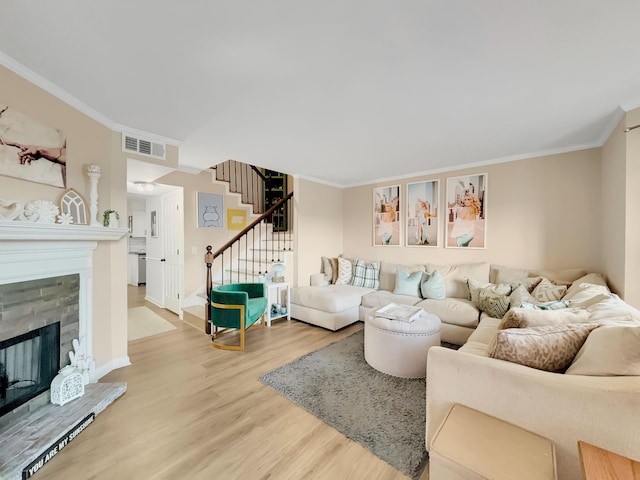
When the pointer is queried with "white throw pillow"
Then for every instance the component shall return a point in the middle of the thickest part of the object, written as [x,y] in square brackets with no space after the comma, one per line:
[548,292]
[345,272]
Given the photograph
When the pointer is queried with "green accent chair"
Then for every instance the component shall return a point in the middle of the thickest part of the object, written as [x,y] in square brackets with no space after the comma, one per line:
[237,306]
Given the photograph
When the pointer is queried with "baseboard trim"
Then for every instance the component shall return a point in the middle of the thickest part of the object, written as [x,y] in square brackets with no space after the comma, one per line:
[110,367]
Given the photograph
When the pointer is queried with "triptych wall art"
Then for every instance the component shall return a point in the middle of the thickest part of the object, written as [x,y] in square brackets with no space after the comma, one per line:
[464,213]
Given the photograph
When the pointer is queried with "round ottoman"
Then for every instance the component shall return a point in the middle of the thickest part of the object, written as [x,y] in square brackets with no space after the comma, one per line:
[400,348]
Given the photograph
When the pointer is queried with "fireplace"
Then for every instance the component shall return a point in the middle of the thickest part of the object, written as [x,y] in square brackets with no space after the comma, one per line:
[46,303]
[28,364]
[38,322]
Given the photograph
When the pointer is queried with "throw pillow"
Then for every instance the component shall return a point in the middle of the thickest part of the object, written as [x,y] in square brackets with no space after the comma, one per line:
[501,274]
[546,306]
[330,269]
[548,292]
[476,286]
[609,350]
[521,295]
[432,286]
[493,304]
[550,348]
[365,274]
[407,283]
[345,272]
[612,309]
[582,292]
[523,318]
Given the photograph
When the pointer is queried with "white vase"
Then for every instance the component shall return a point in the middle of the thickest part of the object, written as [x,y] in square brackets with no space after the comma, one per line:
[113,220]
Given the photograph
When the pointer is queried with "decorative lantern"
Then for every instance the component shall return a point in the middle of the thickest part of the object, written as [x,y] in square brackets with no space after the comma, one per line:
[66,386]
[278,273]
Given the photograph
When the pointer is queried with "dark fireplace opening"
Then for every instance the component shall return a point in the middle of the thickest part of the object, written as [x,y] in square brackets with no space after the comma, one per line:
[28,364]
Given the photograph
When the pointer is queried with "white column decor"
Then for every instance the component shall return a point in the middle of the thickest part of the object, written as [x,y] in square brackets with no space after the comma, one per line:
[93,172]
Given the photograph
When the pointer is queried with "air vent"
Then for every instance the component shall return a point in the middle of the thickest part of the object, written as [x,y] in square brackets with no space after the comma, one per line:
[143,147]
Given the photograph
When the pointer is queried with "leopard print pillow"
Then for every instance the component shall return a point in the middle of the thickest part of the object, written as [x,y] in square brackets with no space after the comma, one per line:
[551,348]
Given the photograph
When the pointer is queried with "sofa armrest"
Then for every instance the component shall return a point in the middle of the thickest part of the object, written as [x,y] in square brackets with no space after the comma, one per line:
[563,408]
[318,280]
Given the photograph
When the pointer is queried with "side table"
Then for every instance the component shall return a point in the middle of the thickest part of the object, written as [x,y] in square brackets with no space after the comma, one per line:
[601,464]
[274,297]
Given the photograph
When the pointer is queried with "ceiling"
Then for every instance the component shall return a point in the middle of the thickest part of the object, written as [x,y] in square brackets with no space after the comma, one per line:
[341,92]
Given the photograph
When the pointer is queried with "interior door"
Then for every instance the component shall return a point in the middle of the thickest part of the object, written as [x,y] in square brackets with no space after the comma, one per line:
[173,249]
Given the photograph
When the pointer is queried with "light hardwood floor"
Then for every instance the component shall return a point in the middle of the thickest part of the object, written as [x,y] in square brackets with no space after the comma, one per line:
[195,412]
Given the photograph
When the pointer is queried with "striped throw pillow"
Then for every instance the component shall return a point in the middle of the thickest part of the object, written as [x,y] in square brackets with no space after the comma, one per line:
[365,274]
[548,292]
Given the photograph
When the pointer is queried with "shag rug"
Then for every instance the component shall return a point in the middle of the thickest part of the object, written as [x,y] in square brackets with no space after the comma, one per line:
[384,414]
[144,322]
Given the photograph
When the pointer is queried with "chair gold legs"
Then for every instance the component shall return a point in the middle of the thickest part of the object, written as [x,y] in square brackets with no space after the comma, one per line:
[236,348]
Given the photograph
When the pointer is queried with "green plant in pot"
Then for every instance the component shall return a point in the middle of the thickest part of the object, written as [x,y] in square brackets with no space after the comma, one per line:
[110,218]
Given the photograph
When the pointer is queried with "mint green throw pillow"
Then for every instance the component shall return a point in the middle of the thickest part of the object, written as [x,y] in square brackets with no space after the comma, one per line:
[432,285]
[407,283]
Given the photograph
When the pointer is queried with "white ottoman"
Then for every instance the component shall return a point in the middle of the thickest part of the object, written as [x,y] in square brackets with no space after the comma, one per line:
[400,348]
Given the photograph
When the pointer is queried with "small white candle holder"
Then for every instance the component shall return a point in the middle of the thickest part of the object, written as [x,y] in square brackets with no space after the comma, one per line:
[93,172]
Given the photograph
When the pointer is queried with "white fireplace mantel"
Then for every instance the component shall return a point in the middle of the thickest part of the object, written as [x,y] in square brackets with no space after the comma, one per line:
[27,231]
[30,251]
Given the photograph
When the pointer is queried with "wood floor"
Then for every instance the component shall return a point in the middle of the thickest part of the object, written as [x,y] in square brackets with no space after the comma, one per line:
[195,412]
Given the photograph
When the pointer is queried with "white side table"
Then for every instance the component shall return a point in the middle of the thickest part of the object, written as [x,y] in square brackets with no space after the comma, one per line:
[274,296]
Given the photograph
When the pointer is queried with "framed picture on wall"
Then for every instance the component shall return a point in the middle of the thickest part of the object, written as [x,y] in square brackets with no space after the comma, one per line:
[31,150]
[466,211]
[386,216]
[210,210]
[422,225]
[236,218]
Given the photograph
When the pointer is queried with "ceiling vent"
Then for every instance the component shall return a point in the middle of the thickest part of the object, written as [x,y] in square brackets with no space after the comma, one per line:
[143,147]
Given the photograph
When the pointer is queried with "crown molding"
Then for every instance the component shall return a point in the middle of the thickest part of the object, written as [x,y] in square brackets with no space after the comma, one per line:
[49,87]
[484,163]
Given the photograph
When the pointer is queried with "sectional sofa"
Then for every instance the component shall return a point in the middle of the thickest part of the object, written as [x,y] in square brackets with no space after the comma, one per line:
[593,396]
[596,400]
[333,306]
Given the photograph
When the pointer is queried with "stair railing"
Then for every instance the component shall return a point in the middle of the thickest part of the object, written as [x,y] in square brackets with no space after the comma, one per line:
[275,243]
[244,179]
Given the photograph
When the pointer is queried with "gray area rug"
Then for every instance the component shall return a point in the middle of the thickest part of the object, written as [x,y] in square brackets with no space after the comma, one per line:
[382,413]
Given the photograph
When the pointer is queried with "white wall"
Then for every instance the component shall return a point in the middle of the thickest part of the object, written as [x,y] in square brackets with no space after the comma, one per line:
[319,226]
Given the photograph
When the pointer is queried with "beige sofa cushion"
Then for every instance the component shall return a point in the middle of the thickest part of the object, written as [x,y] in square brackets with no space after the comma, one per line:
[524,317]
[456,275]
[560,277]
[381,298]
[482,337]
[329,298]
[501,274]
[609,350]
[550,348]
[454,311]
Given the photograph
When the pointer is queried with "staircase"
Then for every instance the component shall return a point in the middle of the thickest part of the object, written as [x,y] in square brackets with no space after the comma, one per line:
[250,255]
